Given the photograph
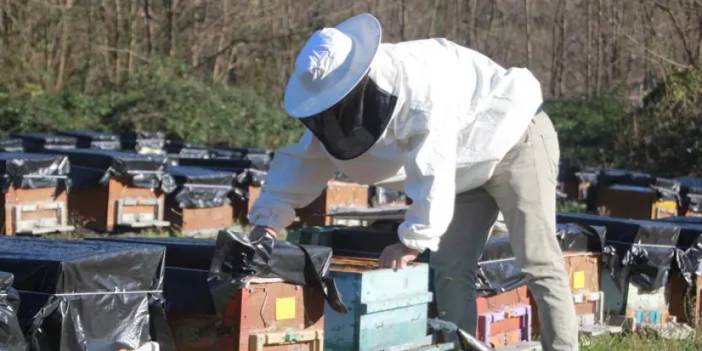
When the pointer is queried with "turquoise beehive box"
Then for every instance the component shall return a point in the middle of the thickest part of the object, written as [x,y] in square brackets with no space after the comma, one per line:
[387,308]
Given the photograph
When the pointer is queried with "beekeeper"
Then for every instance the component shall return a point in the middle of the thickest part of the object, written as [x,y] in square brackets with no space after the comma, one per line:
[465,136]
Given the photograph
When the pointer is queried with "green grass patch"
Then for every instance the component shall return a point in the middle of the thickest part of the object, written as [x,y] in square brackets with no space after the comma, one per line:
[641,341]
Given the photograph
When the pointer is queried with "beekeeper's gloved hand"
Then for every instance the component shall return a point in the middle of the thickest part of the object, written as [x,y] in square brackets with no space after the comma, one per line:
[263,239]
[397,256]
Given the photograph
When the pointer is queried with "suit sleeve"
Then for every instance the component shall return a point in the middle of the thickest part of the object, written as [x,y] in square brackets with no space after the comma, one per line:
[430,183]
[298,174]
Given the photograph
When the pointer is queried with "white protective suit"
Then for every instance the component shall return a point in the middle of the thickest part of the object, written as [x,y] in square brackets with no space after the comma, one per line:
[457,115]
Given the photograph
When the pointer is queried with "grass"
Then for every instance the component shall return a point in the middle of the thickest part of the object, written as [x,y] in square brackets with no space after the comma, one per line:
[640,342]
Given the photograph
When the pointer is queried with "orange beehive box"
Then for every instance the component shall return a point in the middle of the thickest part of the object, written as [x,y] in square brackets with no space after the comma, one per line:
[273,316]
[505,327]
[33,193]
[117,189]
[337,195]
[201,202]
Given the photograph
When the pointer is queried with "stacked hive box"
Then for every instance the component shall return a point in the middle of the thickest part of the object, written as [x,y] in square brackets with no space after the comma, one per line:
[33,193]
[267,314]
[67,282]
[189,306]
[618,193]
[627,201]
[117,189]
[667,203]
[505,313]
[337,195]
[581,246]
[273,314]
[639,255]
[250,177]
[201,202]
[584,274]
[505,319]
[387,308]
[686,283]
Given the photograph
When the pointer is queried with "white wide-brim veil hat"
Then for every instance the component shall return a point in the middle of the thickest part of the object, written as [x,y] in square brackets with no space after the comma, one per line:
[332,62]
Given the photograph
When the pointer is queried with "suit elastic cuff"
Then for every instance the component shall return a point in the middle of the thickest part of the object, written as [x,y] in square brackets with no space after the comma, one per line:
[420,244]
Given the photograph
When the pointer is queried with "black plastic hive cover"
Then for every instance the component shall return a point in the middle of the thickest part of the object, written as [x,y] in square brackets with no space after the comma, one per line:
[667,188]
[26,170]
[625,230]
[497,276]
[690,262]
[187,150]
[609,176]
[240,157]
[498,270]
[234,165]
[11,145]
[624,177]
[648,261]
[143,141]
[45,141]
[90,139]
[691,192]
[689,182]
[199,187]
[188,262]
[79,295]
[90,167]
[580,237]
[238,259]
[11,337]
[639,251]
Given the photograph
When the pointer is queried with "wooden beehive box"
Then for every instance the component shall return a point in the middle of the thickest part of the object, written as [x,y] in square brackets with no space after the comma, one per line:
[105,207]
[337,195]
[33,195]
[626,201]
[514,297]
[117,189]
[273,315]
[508,326]
[387,308]
[34,211]
[201,202]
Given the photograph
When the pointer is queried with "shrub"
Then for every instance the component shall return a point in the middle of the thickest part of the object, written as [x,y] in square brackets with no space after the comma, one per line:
[162,96]
[588,128]
[664,135]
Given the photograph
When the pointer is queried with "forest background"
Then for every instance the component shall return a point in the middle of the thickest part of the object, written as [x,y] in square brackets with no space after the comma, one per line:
[622,79]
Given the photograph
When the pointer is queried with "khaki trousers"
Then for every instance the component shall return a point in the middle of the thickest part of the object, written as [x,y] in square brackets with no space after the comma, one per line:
[523,188]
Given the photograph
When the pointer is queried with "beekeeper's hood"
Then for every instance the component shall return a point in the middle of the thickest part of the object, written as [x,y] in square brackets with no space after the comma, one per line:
[330,91]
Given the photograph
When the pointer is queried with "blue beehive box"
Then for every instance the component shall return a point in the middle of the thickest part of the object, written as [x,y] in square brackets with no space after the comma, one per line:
[387,308]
